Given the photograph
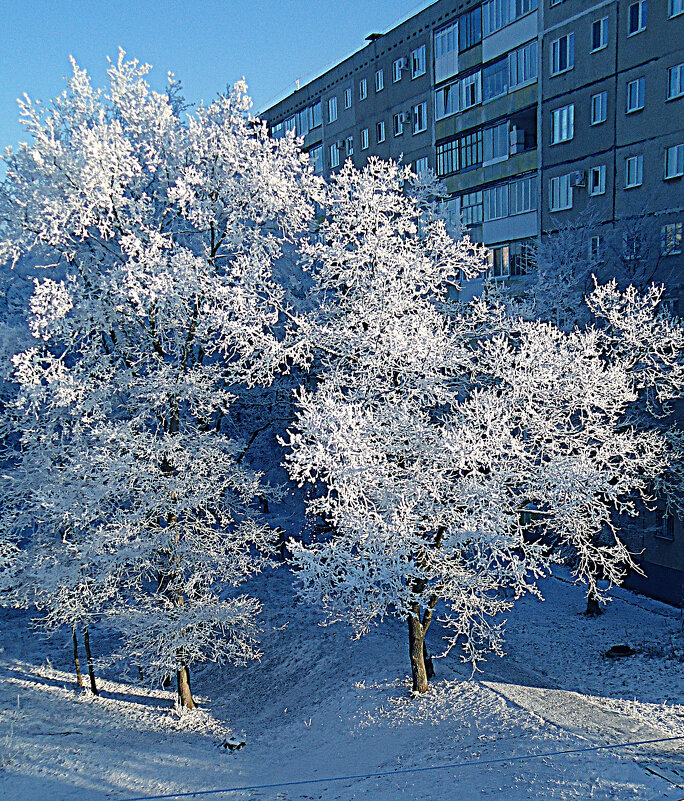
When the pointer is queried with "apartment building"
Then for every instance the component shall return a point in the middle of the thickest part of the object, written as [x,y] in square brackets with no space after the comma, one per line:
[537,115]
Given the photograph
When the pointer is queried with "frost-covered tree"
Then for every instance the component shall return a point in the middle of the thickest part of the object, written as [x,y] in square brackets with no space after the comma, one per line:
[450,440]
[158,231]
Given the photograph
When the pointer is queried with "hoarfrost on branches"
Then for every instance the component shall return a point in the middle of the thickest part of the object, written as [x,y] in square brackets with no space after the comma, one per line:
[161,230]
[452,443]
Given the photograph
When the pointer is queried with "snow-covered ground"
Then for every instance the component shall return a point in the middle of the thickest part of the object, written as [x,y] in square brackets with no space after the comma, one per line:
[319,706]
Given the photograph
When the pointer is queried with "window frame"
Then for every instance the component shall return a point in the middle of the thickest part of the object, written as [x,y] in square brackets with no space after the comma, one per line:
[380,132]
[603,105]
[603,34]
[557,51]
[675,8]
[332,109]
[349,146]
[398,123]
[397,69]
[363,88]
[642,17]
[416,116]
[379,80]
[365,138]
[676,69]
[675,236]
[640,84]
[348,97]
[418,62]
[564,190]
[638,161]
[566,124]
[597,188]
[678,152]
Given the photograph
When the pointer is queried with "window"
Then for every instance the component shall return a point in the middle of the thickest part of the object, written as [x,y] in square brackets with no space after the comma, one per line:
[499,262]
[563,54]
[397,67]
[447,158]
[471,208]
[332,109]
[316,158]
[447,100]
[446,52]
[634,171]
[522,66]
[334,155]
[315,115]
[495,144]
[495,80]
[563,124]
[672,238]
[349,145]
[675,81]
[419,118]
[599,108]
[418,62]
[495,202]
[421,166]
[664,526]
[560,195]
[595,247]
[498,13]
[364,139]
[470,91]
[302,122]
[674,161]
[348,97]
[398,124]
[636,91]
[599,34]
[522,195]
[459,154]
[470,28]
[380,131]
[523,257]
[636,17]
[363,89]
[470,150]
[379,80]
[675,7]
[597,180]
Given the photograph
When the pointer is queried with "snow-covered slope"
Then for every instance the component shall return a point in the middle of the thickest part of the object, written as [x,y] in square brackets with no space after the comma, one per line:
[319,705]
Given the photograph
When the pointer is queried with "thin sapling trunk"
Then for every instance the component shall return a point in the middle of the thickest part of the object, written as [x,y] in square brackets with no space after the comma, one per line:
[417,652]
[89,657]
[79,677]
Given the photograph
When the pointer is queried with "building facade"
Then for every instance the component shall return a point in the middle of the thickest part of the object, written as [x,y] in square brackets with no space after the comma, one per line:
[537,115]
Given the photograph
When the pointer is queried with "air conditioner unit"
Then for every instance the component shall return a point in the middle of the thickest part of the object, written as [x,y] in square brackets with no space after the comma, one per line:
[403,63]
[578,178]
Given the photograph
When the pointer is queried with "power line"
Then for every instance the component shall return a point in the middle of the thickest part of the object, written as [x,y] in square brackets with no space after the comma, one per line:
[400,771]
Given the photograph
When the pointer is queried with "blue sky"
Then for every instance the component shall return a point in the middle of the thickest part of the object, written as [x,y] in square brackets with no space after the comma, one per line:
[208,44]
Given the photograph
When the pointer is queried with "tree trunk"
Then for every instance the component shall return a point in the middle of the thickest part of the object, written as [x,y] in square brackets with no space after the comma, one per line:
[89,656]
[593,606]
[184,692]
[427,658]
[417,654]
[79,677]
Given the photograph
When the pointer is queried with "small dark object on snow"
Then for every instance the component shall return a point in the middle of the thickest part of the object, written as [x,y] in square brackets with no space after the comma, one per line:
[232,744]
[617,651]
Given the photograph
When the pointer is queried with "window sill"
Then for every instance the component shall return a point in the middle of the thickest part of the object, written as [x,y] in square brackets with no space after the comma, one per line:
[598,122]
[598,49]
[673,177]
[633,186]
[634,110]
[636,33]
[674,97]
[562,72]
